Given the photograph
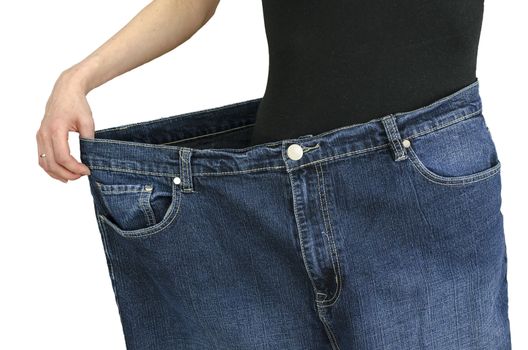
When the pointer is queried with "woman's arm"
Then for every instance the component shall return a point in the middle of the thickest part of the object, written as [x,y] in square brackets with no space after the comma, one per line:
[158,28]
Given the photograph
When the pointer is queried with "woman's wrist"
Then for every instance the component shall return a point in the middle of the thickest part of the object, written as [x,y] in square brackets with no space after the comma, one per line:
[82,75]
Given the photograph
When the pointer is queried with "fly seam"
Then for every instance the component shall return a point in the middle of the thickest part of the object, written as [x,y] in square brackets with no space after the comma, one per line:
[330,235]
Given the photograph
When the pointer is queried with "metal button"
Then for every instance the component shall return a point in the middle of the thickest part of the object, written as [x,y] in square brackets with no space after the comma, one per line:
[148,188]
[406,143]
[177,180]
[295,151]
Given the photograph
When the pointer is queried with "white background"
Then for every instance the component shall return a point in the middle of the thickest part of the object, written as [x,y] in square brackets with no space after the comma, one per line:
[55,289]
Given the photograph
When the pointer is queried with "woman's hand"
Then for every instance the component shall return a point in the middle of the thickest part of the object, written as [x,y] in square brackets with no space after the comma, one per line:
[66,110]
[158,28]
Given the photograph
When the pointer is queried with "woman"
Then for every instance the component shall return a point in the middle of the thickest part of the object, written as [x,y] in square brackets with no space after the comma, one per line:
[355,206]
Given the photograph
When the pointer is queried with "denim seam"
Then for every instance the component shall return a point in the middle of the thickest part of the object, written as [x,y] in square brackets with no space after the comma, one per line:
[173,148]
[299,233]
[113,188]
[329,331]
[143,202]
[111,267]
[126,170]
[393,134]
[240,171]
[388,144]
[342,155]
[144,199]
[452,180]
[417,256]
[241,150]
[186,170]
[325,225]
[444,125]
[330,236]
[327,159]
[172,214]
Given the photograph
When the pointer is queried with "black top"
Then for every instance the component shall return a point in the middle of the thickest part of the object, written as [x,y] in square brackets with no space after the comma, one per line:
[334,63]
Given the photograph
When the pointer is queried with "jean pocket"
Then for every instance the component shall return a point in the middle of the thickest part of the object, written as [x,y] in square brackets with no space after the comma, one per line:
[135,205]
[460,153]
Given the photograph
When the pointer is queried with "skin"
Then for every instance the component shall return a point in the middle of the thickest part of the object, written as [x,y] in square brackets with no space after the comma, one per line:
[157,29]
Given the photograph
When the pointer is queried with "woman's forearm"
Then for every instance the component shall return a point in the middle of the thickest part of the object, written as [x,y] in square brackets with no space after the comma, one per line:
[158,28]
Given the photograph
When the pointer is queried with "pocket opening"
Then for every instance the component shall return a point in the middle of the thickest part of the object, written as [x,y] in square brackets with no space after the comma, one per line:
[139,209]
[459,154]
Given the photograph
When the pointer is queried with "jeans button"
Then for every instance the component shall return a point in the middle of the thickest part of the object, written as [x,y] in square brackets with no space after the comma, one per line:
[295,151]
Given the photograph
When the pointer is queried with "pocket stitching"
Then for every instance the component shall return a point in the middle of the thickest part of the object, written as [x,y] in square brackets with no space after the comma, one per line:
[113,188]
[451,180]
[171,215]
[144,200]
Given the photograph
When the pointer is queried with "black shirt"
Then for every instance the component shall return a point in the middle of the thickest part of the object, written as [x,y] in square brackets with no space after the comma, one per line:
[333,63]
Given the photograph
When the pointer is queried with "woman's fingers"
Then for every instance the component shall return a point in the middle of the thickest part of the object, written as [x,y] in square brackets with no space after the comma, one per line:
[61,153]
[66,110]
[48,163]
[43,160]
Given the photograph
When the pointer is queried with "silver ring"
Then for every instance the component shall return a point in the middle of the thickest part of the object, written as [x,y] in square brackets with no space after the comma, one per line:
[43,155]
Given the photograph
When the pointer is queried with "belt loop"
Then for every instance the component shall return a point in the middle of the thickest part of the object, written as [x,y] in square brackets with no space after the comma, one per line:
[186,169]
[391,129]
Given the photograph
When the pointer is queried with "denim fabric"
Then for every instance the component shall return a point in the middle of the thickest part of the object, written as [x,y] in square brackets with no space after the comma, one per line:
[381,235]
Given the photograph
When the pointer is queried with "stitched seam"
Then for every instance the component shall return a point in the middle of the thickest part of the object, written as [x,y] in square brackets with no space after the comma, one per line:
[365,150]
[324,220]
[111,267]
[454,180]
[460,183]
[319,190]
[111,192]
[331,238]
[105,244]
[188,184]
[400,152]
[241,171]
[394,136]
[333,300]
[151,230]
[299,234]
[146,207]
[327,159]
[342,155]
[329,332]
[444,125]
[144,232]
[126,170]
[119,188]
[184,166]
[150,145]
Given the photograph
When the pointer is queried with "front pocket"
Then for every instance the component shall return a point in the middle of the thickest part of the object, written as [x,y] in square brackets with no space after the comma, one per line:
[461,153]
[135,205]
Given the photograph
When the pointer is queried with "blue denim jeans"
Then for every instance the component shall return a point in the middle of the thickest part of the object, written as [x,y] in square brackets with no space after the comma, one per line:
[381,235]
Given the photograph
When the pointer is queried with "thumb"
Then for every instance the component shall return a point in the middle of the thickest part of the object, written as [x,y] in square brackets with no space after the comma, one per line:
[86,128]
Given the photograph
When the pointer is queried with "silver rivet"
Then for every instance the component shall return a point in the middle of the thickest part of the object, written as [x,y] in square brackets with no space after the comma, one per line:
[406,143]
[295,151]
[177,180]
[148,188]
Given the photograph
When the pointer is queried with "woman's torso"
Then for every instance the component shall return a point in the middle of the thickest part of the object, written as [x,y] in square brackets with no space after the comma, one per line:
[338,62]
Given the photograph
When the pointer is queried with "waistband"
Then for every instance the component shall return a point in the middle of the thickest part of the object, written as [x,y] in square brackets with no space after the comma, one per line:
[150,147]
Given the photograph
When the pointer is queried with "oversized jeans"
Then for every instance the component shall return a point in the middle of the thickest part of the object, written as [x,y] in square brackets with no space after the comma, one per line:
[382,235]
